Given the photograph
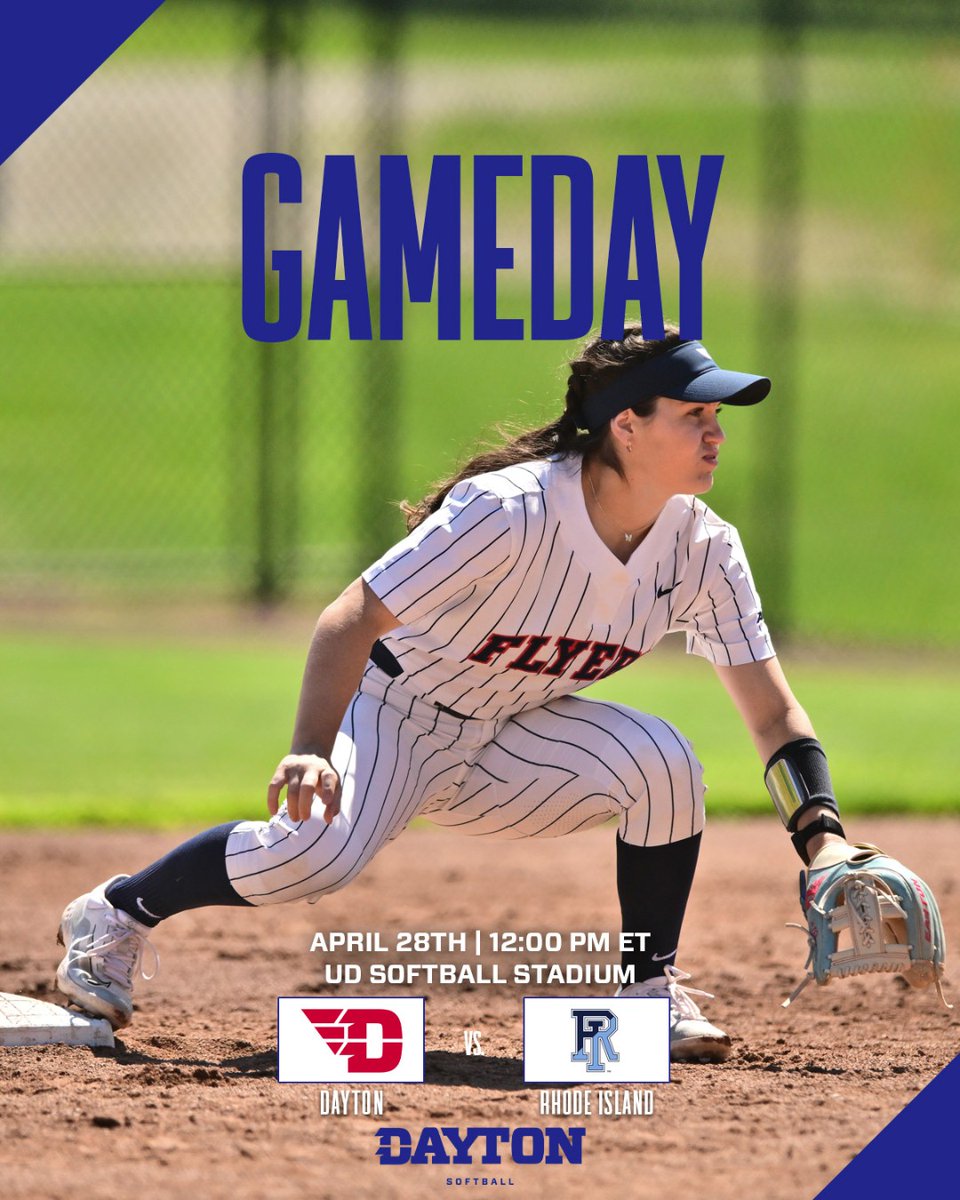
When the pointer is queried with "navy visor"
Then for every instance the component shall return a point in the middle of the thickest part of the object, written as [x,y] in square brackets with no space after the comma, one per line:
[687,372]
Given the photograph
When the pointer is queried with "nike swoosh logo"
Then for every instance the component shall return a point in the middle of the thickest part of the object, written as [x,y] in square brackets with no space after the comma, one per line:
[662,957]
[143,908]
[665,591]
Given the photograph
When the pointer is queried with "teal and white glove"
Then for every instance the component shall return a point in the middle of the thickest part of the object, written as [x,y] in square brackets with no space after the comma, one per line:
[866,912]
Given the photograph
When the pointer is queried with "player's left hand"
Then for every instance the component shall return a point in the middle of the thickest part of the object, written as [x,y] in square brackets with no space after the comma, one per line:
[304,776]
[884,914]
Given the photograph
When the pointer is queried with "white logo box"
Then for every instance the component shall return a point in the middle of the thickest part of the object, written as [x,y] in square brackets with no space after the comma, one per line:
[350,1039]
[641,1039]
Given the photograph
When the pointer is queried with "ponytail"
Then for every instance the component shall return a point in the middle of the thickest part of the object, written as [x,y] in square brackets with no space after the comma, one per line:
[598,364]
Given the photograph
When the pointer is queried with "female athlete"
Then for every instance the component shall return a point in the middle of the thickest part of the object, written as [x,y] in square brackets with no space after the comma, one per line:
[441,683]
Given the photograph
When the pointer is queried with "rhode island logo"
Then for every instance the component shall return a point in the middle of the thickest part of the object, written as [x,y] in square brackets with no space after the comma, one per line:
[584,1039]
[593,1037]
[338,1039]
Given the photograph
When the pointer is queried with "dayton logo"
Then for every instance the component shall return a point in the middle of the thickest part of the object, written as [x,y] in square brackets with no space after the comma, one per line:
[350,1039]
[593,1030]
[529,1144]
[347,1031]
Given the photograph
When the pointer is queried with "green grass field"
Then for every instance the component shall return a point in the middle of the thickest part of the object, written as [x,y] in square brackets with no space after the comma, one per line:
[165,732]
[129,411]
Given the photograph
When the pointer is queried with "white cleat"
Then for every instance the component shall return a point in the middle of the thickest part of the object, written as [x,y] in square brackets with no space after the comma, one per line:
[104,952]
[692,1037]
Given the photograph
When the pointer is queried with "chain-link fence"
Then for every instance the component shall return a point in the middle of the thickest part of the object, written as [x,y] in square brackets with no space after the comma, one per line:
[147,445]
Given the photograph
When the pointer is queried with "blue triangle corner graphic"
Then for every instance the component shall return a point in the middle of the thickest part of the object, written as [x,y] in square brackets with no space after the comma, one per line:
[48,48]
[910,1153]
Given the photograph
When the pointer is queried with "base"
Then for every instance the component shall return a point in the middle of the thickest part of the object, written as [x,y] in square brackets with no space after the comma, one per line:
[28,1022]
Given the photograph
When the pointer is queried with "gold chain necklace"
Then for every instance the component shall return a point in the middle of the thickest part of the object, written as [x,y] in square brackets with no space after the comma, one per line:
[627,537]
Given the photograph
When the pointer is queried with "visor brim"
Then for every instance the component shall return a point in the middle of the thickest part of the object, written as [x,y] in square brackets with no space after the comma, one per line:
[717,386]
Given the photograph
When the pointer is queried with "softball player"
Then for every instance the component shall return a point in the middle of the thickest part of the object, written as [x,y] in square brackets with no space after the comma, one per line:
[442,682]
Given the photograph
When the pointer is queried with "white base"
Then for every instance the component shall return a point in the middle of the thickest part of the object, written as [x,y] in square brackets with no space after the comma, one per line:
[28,1022]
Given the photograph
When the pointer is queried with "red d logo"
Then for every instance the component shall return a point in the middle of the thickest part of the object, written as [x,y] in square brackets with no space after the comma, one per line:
[347,1031]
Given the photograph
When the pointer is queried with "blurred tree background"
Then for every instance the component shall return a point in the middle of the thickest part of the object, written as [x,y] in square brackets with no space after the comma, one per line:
[147,446]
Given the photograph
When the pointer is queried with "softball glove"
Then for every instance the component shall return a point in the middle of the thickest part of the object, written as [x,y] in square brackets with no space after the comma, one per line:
[866,912]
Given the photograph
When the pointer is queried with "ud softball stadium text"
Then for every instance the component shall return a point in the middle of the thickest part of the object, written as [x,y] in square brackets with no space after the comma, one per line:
[528,1144]
[423,253]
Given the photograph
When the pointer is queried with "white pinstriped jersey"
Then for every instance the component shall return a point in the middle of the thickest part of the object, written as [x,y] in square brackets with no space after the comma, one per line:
[510,601]
[508,597]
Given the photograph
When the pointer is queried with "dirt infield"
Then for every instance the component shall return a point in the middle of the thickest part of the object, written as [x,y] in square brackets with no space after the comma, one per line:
[188,1101]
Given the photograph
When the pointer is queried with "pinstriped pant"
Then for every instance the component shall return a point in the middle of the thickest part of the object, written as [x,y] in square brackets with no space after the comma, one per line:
[565,766]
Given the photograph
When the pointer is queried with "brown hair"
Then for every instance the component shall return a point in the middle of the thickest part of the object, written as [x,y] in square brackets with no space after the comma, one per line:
[598,364]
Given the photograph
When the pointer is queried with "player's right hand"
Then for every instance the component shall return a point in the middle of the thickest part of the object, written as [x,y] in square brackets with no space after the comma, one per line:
[304,775]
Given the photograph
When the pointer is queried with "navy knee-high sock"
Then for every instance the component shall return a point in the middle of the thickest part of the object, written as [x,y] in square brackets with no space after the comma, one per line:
[653,883]
[194,875]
